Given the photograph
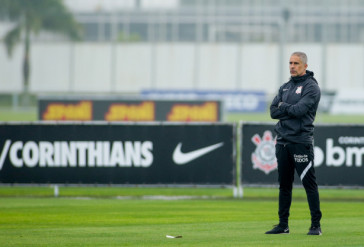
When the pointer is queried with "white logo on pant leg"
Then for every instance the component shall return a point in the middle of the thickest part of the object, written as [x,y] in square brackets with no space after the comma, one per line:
[300,158]
[263,157]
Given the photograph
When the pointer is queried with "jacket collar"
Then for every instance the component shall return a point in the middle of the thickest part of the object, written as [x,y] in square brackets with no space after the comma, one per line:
[303,77]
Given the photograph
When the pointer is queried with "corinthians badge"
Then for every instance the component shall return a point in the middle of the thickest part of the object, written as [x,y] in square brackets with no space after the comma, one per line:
[263,157]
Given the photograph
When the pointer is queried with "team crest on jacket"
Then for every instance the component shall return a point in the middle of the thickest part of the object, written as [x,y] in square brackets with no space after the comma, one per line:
[299,90]
[263,157]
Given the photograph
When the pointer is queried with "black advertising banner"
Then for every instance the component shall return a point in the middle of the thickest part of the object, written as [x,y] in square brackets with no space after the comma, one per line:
[129,110]
[258,161]
[115,153]
[339,154]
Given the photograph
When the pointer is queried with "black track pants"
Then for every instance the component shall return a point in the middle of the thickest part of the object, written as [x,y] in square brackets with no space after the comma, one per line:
[299,157]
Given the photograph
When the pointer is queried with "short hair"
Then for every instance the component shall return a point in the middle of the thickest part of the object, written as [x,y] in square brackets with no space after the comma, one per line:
[301,55]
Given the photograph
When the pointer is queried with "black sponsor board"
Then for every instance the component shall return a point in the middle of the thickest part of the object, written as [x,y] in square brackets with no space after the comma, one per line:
[158,153]
[339,155]
[136,110]
[234,100]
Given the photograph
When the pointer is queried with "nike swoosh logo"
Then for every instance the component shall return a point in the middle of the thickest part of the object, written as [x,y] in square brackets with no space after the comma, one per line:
[183,158]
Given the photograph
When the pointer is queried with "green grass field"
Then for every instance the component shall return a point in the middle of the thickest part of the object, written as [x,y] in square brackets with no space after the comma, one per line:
[132,216]
[30,216]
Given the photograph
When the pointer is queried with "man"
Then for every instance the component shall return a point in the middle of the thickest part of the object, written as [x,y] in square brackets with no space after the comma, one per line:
[295,106]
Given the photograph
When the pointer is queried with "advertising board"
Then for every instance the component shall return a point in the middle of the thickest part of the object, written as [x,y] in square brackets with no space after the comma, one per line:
[136,110]
[115,153]
[234,100]
[339,154]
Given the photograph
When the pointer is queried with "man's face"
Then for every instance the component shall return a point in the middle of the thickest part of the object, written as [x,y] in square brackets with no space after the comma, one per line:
[296,67]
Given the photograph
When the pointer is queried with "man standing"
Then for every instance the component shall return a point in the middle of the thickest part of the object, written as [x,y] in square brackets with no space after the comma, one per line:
[295,106]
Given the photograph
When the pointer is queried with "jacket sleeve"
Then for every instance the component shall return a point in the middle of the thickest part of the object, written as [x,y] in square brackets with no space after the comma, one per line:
[275,111]
[309,98]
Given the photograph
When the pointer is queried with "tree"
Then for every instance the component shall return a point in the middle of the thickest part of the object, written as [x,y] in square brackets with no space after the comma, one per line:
[30,17]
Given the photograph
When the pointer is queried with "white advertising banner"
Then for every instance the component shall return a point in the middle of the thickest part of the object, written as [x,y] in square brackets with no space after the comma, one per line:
[348,102]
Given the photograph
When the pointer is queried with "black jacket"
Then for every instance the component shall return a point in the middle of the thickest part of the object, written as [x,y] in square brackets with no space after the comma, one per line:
[300,98]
